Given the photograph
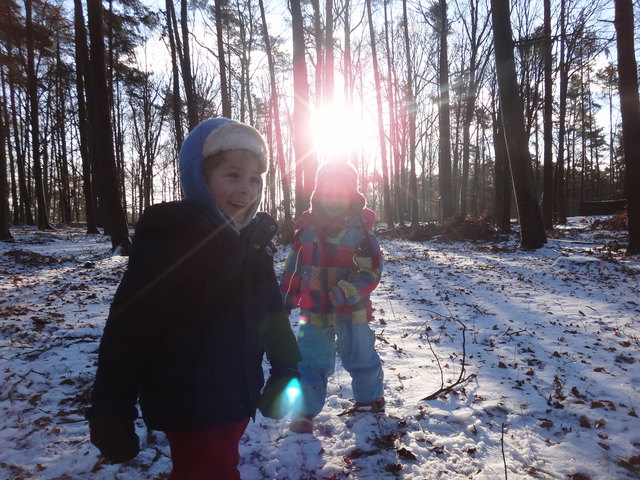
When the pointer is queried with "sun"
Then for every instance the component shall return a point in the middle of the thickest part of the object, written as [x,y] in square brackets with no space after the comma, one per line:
[336,130]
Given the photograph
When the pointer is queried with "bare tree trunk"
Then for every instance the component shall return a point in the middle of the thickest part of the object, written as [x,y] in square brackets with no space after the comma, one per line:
[476,35]
[532,233]
[630,112]
[246,30]
[32,89]
[547,195]
[444,174]
[349,82]
[82,61]
[560,193]
[503,177]
[286,181]
[224,88]
[64,188]
[348,73]
[306,162]
[22,203]
[466,139]
[112,208]
[395,192]
[411,112]
[187,77]
[25,213]
[383,146]
[5,233]
[318,39]
[329,56]
[5,157]
[9,158]
[175,74]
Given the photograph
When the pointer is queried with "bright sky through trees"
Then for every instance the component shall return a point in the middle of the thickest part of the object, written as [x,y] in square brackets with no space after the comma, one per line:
[337,129]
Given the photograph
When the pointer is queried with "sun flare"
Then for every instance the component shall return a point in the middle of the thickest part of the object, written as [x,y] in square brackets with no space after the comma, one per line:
[336,130]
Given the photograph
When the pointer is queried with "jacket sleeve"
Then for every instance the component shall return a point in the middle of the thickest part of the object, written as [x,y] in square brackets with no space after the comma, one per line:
[280,343]
[141,302]
[365,275]
[290,284]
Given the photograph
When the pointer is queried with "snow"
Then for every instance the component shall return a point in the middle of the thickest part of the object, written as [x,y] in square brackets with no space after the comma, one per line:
[549,340]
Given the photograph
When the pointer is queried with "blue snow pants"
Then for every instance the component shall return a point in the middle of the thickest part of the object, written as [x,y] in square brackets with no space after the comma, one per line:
[354,344]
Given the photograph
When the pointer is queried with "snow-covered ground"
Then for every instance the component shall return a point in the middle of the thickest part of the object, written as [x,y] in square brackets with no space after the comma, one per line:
[549,341]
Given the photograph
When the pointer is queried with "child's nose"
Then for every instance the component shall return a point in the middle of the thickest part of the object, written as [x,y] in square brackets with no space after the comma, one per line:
[245,185]
[248,187]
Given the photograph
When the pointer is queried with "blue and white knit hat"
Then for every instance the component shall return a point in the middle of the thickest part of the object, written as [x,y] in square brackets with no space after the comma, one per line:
[212,136]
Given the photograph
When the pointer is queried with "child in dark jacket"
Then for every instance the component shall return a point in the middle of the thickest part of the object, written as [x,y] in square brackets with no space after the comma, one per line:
[197,308]
[334,266]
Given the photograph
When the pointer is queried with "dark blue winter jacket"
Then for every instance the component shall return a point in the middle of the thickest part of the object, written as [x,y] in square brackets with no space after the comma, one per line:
[196,310]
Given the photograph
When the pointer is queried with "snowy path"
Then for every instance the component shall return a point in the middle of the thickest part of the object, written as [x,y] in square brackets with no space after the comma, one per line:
[551,351]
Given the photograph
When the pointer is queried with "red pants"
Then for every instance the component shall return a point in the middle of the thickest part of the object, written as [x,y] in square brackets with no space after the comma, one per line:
[206,454]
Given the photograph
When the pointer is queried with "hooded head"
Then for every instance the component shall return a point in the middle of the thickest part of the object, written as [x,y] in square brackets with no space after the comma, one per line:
[207,139]
[336,192]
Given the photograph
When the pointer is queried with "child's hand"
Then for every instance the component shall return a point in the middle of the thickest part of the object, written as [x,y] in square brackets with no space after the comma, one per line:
[276,401]
[336,296]
[332,297]
[115,437]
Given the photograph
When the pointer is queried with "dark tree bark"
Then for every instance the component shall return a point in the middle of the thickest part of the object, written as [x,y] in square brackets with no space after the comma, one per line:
[175,74]
[349,82]
[329,56]
[568,47]
[532,233]
[246,31]
[64,188]
[347,68]
[388,216]
[411,112]
[318,40]
[547,195]
[34,112]
[82,57]
[503,177]
[476,36]
[5,233]
[224,87]
[5,159]
[24,209]
[112,209]
[395,206]
[306,162]
[21,204]
[630,113]
[286,181]
[444,108]
[187,77]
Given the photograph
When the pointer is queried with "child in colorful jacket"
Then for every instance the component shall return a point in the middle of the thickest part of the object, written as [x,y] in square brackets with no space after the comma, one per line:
[197,308]
[334,266]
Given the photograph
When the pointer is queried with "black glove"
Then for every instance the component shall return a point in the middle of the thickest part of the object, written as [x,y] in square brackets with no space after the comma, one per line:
[115,437]
[275,401]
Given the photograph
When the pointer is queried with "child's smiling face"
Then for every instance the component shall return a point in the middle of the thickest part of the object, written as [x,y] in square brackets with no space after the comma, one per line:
[234,182]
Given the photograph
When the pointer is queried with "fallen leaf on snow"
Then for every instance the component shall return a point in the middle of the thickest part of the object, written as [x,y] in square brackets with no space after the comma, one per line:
[406,454]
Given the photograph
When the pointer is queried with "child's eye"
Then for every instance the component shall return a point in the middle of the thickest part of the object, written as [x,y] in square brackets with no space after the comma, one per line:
[255,180]
[234,175]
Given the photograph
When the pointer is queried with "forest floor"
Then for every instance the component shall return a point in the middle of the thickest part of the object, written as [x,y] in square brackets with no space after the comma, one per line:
[544,344]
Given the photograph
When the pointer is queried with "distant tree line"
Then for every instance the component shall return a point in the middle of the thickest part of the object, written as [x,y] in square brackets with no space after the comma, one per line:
[474,106]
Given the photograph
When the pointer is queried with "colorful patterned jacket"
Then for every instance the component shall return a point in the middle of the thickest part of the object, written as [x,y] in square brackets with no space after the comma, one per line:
[344,258]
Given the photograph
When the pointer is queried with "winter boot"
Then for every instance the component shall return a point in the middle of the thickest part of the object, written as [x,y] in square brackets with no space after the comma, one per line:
[377,406]
[302,423]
